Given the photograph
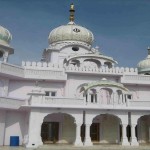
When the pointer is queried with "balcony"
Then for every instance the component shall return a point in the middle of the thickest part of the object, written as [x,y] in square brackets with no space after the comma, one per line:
[135,79]
[11,70]
[56,102]
[11,103]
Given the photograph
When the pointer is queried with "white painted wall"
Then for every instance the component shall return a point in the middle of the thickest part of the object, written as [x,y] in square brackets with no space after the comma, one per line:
[15,126]
[2,126]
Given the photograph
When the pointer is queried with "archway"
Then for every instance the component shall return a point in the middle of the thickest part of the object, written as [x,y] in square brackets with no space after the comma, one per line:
[92,62]
[108,64]
[106,129]
[143,129]
[58,128]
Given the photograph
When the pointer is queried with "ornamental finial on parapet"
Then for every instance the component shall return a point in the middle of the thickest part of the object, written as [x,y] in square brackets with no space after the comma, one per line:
[71,18]
[148,48]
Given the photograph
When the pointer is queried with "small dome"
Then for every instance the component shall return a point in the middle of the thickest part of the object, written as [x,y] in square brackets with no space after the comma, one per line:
[5,36]
[144,65]
[71,32]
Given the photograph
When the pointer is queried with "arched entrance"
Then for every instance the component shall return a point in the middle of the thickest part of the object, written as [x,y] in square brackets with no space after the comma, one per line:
[58,128]
[143,129]
[106,129]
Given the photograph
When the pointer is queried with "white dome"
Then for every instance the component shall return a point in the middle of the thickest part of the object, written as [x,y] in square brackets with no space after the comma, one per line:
[71,32]
[5,36]
[144,65]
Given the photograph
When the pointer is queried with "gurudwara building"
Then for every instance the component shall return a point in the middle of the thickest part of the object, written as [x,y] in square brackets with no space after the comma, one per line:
[74,95]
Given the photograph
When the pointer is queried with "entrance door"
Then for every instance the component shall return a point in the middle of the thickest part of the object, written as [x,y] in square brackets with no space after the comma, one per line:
[94,132]
[50,132]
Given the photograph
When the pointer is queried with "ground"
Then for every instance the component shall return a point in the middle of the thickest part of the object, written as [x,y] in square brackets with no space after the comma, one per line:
[70,147]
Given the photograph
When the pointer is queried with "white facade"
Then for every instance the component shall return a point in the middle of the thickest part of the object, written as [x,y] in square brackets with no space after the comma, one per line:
[74,95]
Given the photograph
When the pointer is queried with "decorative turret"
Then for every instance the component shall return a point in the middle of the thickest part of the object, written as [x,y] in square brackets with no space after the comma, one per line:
[5,49]
[144,65]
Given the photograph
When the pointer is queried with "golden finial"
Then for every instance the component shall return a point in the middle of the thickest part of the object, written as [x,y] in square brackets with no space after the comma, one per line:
[72,12]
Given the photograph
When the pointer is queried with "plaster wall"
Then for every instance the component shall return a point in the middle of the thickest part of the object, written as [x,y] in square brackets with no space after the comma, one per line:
[20,89]
[2,126]
[53,86]
[25,87]
[16,125]
[74,83]
[69,51]
[140,92]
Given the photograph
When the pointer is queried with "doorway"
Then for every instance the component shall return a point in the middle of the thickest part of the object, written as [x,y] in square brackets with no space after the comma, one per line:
[50,132]
[94,132]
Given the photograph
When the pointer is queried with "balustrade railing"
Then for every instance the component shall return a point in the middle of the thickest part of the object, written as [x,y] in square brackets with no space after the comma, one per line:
[79,102]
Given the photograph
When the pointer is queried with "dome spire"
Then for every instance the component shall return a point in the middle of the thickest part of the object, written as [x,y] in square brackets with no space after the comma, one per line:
[148,50]
[71,18]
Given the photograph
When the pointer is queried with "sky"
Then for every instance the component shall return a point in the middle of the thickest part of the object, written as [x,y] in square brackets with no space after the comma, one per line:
[121,28]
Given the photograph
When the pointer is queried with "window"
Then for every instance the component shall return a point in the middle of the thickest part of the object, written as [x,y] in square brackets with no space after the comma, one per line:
[129,96]
[75,48]
[46,93]
[53,93]
[50,93]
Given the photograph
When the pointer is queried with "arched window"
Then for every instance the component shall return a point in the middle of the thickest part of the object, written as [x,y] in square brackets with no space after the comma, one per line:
[75,62]
[93,96]
[92,62]
[108,64]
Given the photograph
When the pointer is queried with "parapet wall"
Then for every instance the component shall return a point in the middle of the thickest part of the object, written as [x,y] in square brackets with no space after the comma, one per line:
[41,65]
[104,70]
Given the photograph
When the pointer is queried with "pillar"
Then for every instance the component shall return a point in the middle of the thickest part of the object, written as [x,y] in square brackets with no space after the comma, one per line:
[88,97]
[134,141]
[124,135]
[87,141]
[5,57]
[78,141]
[34,133]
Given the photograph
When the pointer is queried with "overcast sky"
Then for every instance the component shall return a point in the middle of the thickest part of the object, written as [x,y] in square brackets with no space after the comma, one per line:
[121,27]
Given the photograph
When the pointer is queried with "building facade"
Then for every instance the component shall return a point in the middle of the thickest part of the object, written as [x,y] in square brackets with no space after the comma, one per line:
[74,95]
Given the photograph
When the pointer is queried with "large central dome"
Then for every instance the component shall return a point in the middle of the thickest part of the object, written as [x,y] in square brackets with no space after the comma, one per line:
[71,32]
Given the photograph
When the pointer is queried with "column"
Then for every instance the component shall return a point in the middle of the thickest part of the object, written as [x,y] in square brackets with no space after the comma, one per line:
[134,141]
[78,141]
[88,97]
[5,57]
[124,135]
[87,141]
[34,133]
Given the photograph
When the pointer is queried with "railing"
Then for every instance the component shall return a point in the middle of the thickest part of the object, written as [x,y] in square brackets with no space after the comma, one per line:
[43,70]
[53,101]
[45,74]
[11,69]
[139,104]
[102,70]
[82,103]
[41,65]
[51,72]
[63,101]
[137,79]
[13,103]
